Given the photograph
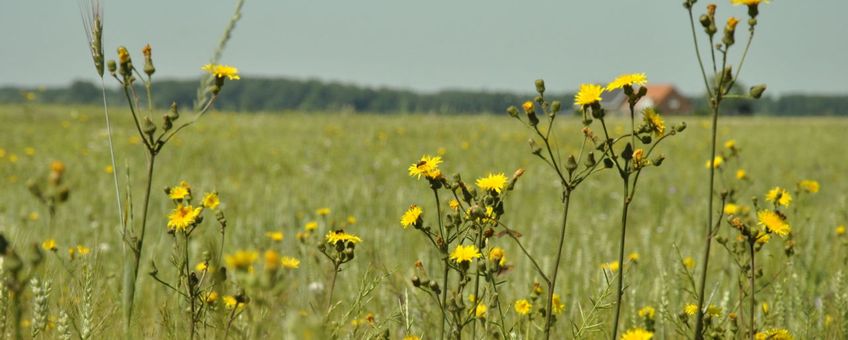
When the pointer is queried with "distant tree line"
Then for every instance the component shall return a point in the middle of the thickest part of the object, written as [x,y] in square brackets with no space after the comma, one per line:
[278,94]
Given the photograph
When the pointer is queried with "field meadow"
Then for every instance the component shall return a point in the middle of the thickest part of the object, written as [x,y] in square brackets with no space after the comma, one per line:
[273,171]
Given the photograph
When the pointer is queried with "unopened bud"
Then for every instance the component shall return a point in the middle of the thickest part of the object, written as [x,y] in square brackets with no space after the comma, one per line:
[148,60]
[627,153]
[757,90]
[680,127]
[570,164]
[148,127]
[556,106]
[705,20]
[112,66]
[540,86]
[512,111]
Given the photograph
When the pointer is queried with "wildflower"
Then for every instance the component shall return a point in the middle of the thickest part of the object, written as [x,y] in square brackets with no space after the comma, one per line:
[454,204]
[690,309]
[49,245]
[351,220]
[498,256]
[123,54]
[58,167]
[201,266]
[773,222]
[774,334]
[633,257]
[748,2]
[492,182]
[556,304]
[480,311]
[276,236]
[411,217]
[653,120]
[323,211]
[242,259]
[211,297]
[731,24]
[840,230]
[465,253]
[611,266]
[741,174]
[588,94]
[528,106]
[762,237]
[33,216]
[765,307]
[411,337]
[714,311]
[780,196]
[210,200]
[335,236]
[523,306]
[647,312]
[272,259]
[627,80]
[731,209]
[83,250]
[289,262]
[730,144]
[231,302]
[221,71]
[108,169]
[182,217]
[180,192]
[310,226]
[716,163]
[637,334]
[689,262]
[427,167]
[809,186]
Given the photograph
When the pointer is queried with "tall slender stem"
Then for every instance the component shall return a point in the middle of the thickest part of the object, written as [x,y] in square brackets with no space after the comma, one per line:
[552,282]
[112,156]
[447,266]
[136,246]
[620,291]
[699,322]
[753,288]
[332,287]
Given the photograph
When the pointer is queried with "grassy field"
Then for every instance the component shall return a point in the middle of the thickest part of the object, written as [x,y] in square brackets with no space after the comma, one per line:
[273,171]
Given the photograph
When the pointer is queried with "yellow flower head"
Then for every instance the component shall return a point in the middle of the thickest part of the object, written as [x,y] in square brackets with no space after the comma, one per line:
[588,94]
[774,222]
[242,260]
[780,196]
[730,144]
[183,216]
[272,259]
[212,297]
[689,262]
[310,226]
[809,186]
[427,167]
[690,309]
[647,312]
[627,79]
[840,230]
[465,253]
[653,120]
[634,257]
[714,311]
[480,311]
[275,236]
[123,54]
[522,307]
[492,182]
[221,71]
[180,192]
[411,337]
[210,200]
[528,106]
[323,211]
[741,174]
[336,236]
[454,204]
[497,255]
[611,266]
[637,334]
[49,245]
[748,2]
[774,334]
[201,266]
[731,209]
[411,217]
[57,167]
[231,302]
[289,262]
[556,304]
[82,250]
[716,163]
[731,23]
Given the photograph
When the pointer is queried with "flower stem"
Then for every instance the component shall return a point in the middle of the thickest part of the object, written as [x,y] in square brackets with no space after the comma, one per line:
[136,244]
[699,321]
[620,290]
[552,281]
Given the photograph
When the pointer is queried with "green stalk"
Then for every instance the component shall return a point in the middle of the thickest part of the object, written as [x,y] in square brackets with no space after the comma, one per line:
[620,291]
[552,281]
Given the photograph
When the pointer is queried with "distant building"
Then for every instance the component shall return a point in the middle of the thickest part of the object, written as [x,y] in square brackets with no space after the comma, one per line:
[665,98]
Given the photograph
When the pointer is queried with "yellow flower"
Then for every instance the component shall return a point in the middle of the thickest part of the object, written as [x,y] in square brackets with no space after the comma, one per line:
[731,24]
[221,71]
[689,262]
[523,306]
[774,334]
[731,209]
[108,169]
[765,307]
[588,94]
[730,144]
[411,217]
[762,237]
[57,167]
[49,244]
[637,334]
[556,304]
[627,79]
[411,337]
[82,250]
[211,297]
[690,309]
[231,302]
[123,54]
[201,266]
[289,262]
[492,182]
[465,253]
[773,222]
[748,2]
[454,204]
[741,174]
[276,236]
[311,225]
[497,255]
[336,236]
[654,121]
[611,266]
[480,311]
[809,186]
[210,200]
[528,106]
[182,217]
[272,260]
[714,311]
[351,220]
[242,259]
[427,167]
[180,192]
[840,230]
[633,257]
[29,151]
[33,216]
[323,211]
[778,195]
[716,163]
[647,312]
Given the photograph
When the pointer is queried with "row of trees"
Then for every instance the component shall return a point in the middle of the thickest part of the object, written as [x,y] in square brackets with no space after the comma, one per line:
[278,94]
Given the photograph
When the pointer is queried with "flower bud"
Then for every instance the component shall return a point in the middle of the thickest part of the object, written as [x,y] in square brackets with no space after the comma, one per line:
[705,20]
[416,281]
[627,153]
[512,111]
[148,60]
[680,127]
[148,127]
[570,164]
[534,148]
[711,9]
[540,86]
[556,106]
[729,32]
[112,66]
[757,90]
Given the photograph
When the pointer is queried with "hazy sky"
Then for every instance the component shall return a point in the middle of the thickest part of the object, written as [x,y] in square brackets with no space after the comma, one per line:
[801,46]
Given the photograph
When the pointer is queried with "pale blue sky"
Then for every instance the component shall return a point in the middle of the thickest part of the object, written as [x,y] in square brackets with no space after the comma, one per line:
[429,45]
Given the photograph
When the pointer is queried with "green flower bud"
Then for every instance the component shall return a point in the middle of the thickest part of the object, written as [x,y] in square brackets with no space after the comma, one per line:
[112,66]
[148,127]
[540,86]
[512,111]
[556,106]
[627,153]
[757,90]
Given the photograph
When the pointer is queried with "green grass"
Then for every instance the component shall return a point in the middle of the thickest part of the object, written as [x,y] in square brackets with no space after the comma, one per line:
[273,170]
